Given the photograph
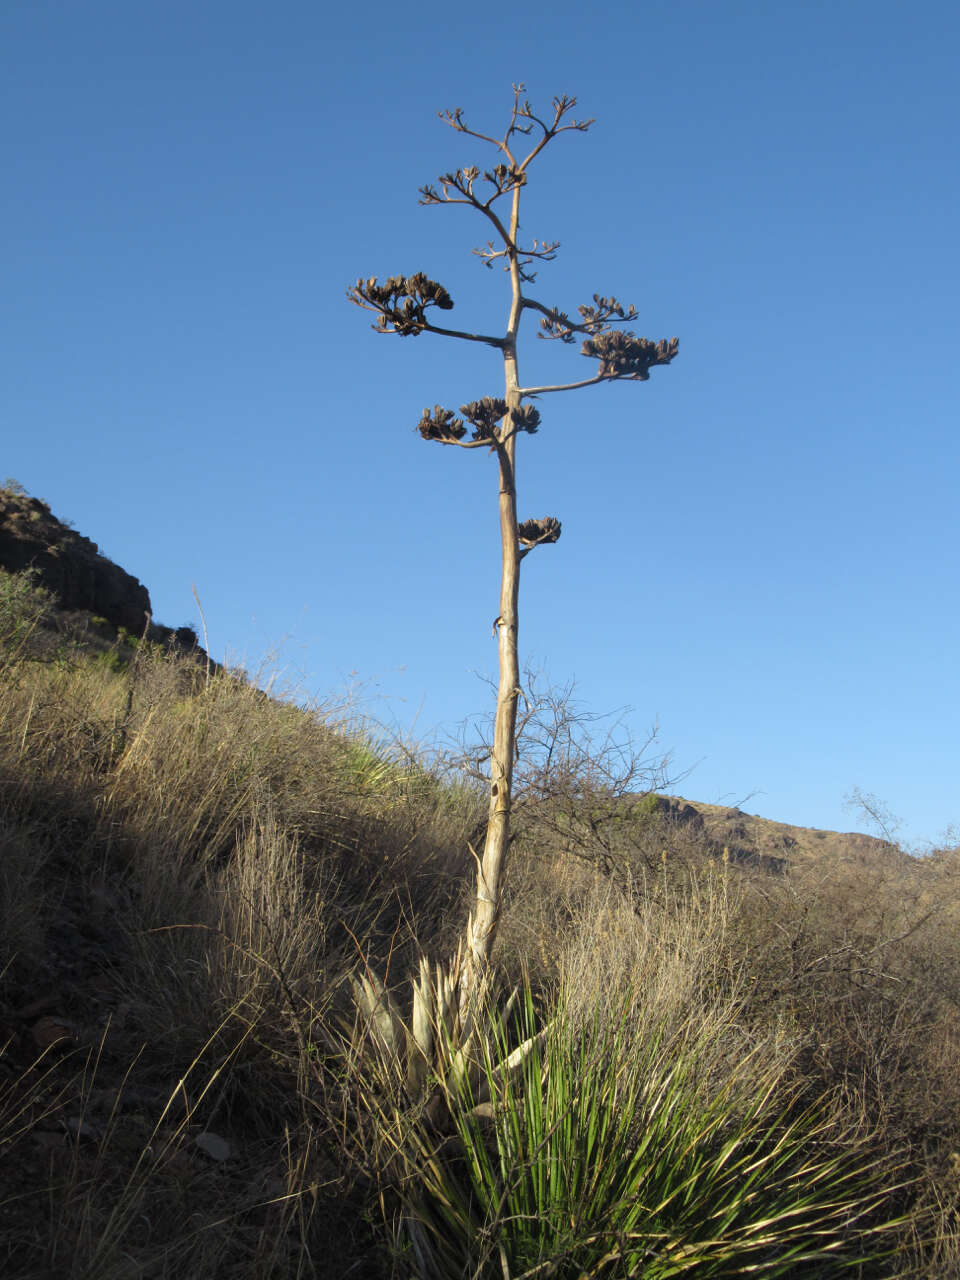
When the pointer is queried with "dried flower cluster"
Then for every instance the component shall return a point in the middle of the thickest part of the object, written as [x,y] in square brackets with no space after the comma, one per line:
[484,415]
[441,424]
[401,301]
[533,533]
[622,355]
[595,319]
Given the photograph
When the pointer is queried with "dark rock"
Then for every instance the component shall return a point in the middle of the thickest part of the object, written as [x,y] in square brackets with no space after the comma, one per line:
[67,564]
[675,809]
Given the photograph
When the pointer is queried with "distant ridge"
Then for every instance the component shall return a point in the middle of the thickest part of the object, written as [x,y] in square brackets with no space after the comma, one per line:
[771,845]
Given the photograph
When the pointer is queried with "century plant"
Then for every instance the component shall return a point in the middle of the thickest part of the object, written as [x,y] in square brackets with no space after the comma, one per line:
[613,1147]
[408,306]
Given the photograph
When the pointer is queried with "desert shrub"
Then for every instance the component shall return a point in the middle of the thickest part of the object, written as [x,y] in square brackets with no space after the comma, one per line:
[25,605]
[864,958]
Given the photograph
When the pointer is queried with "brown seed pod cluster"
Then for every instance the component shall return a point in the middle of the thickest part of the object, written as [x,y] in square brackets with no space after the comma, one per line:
[595,318]
[622,355]
[441,424]
[527,418]
[402,301]
[484,415]
[533,533]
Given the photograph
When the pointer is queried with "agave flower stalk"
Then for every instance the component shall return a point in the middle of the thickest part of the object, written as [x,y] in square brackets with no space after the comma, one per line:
[409,306]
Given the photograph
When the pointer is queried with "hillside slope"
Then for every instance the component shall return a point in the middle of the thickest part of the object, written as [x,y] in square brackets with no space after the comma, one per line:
[98,597]
[196,879]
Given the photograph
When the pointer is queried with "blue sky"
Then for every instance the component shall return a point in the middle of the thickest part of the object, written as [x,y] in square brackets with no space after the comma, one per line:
[759,545]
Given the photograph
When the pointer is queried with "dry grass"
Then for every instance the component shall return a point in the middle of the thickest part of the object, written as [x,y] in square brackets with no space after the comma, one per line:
[191,871]
[849,969]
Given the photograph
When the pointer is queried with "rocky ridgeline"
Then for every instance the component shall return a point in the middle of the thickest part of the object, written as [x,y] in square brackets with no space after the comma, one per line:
[71,567]
[772,846]
[67,564]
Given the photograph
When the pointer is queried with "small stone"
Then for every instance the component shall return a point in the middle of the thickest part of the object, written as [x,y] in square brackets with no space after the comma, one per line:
[212,1145]
[81,1130]
[53,1031]
[49,1141]
[40,1005]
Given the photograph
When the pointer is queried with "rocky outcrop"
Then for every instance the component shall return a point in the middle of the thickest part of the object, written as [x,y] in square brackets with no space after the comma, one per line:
[772,846]
[68,564]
